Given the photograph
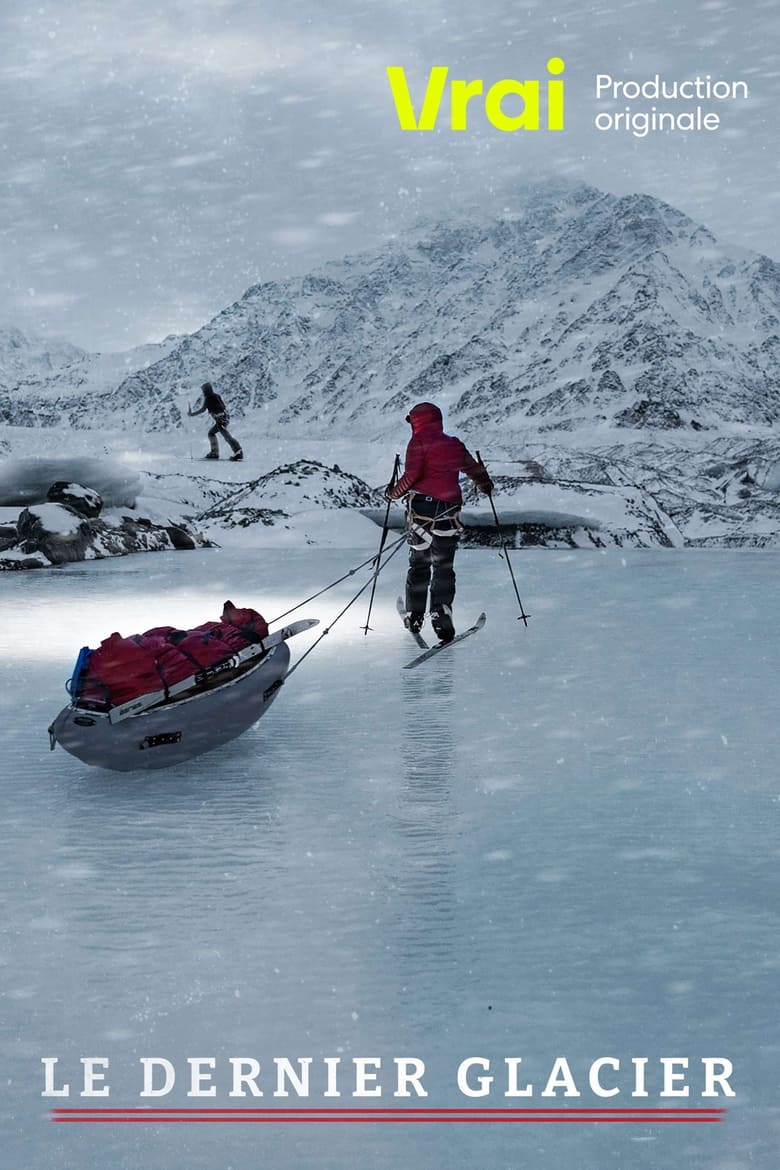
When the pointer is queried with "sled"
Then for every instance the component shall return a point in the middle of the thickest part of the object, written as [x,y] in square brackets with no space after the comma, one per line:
[171,726]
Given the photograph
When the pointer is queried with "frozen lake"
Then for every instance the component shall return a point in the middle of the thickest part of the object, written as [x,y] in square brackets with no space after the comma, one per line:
[559,841]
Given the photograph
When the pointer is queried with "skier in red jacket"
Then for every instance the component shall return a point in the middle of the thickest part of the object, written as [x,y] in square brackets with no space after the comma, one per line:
[433,462]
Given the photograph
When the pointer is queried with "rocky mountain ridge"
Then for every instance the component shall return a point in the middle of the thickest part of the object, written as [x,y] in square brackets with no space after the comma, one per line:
[612,339]
[581,307]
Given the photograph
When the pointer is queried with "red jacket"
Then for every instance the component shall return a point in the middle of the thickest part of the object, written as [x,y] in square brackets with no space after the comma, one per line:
[433,460]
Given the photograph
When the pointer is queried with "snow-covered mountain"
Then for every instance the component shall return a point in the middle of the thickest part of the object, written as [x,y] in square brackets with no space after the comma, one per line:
[611,339]
[50,383]
[27,363]
[25,357]
[579,307]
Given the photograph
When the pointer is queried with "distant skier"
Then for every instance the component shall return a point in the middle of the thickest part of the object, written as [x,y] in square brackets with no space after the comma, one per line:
[433,461]
[212,402]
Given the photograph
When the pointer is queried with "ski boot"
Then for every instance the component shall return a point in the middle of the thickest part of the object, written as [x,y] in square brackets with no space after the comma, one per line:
[414,622]
[239,455]
[211,455]
[441,620]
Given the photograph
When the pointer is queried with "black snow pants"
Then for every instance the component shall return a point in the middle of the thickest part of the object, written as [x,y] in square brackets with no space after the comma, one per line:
[433,529]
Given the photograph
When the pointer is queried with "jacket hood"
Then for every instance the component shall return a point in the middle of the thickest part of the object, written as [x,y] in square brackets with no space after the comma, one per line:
[423,415]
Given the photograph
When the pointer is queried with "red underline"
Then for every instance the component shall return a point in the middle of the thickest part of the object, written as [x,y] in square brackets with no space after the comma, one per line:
[212,1115]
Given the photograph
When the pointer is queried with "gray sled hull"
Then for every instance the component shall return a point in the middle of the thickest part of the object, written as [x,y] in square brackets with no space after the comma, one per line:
[178,731]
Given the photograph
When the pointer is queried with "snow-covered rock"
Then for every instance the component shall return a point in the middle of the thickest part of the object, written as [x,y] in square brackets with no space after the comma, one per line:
[55,534]
[66,527]
[82,500]
[55,531]
[291,488]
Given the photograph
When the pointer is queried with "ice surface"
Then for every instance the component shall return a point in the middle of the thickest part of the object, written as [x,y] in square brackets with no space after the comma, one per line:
[552,841]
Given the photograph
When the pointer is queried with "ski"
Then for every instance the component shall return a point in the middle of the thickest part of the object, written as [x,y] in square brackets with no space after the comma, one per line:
[415,634]
[478,624]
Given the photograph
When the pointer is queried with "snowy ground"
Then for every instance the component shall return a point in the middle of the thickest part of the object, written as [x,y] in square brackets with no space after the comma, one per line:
[553,841]
[617,494]
[167,452]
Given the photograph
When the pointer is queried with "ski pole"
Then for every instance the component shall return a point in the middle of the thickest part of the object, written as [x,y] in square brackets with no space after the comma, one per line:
[188,427]
[341,613]
[350,573]
[393,478]
[505,553]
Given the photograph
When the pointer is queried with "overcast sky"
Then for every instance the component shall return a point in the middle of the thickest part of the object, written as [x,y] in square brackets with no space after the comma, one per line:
[159,157]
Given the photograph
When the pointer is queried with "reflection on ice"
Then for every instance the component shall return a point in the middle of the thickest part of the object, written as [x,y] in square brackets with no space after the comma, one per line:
[426,822]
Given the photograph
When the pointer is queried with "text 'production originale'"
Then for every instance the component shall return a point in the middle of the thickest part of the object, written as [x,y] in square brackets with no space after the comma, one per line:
[512,104]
